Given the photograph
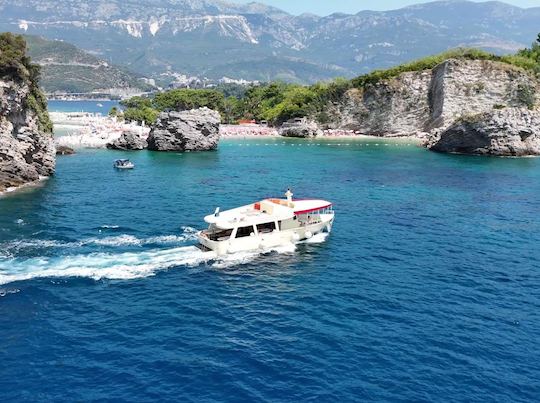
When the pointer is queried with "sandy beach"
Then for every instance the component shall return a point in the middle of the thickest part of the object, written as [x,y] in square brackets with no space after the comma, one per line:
[88,130]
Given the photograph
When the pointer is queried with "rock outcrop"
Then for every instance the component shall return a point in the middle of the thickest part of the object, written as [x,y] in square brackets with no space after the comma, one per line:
[129,141]
[417,103]
[64,150]
[194,130]
[301,128]
[27,150]
[506,132]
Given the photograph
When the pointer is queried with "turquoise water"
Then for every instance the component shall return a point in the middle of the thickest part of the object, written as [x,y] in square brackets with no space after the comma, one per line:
[426,290]
[102,107]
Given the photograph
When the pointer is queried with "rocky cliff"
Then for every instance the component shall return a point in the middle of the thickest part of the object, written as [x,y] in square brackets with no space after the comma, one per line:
[26,142]
[424,102]
[506,132]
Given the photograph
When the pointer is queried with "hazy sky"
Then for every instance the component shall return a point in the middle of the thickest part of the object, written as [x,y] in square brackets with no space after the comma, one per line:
[325,7]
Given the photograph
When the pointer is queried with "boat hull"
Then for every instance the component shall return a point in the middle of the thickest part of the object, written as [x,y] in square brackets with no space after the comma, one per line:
[268,240]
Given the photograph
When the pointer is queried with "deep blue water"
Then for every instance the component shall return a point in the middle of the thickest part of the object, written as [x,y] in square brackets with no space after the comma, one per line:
[428,288]
[102,107]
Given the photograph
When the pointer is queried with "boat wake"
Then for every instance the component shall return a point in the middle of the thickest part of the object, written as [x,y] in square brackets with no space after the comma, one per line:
[17,246]
[97,266]
[318,238]
[123,265]
[109,263]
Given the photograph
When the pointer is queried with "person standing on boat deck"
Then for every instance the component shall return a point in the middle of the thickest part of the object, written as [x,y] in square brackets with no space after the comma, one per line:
[289,196]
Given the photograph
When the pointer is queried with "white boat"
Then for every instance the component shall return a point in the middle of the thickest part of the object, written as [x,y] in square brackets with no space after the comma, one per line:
[123,164]
[266,224]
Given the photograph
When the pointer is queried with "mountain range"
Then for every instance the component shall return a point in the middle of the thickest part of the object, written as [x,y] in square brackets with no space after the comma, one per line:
[66,68]
[213,38]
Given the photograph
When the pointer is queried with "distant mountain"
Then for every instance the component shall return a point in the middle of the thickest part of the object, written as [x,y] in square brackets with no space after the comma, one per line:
[66,68]
[256,42]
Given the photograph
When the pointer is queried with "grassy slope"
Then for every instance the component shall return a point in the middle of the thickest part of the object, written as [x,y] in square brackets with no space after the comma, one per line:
[430,62]
[66,68]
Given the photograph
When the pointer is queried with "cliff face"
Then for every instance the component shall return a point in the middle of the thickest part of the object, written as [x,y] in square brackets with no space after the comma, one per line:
[26,142]
[420,103]
[507,132]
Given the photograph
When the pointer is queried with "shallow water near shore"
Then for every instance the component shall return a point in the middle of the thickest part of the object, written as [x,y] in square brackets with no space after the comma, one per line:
[426,290]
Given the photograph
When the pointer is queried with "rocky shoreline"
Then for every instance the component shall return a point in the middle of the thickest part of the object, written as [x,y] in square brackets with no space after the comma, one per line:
[430,105]
[27,151]
[474,107]
[426,103]
[509,132]
[83,135]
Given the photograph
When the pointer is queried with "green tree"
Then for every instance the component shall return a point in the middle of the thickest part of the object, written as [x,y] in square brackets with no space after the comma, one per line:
[185,99]
[15,64]
[113,112]
[137,102]
[231,110]
[142,115]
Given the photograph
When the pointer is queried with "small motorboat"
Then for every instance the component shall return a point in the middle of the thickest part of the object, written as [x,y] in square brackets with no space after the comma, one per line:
[266,224]
[123,164]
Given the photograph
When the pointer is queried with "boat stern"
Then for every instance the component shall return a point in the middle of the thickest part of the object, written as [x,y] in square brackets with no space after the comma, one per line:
[220,247]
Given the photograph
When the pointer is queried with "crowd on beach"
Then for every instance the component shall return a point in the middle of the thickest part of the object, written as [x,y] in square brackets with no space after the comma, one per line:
[340,133]
[95,131]
[255,130]
[92,130]
[249,130]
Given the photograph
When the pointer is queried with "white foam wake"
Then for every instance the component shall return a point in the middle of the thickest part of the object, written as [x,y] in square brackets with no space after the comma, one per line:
[120,266]
[189,234]
[126,265]
[318,238]
[235,259]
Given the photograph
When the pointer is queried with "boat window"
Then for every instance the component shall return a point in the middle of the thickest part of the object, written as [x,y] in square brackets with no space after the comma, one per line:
[266,228]
[219,235]
[244,232]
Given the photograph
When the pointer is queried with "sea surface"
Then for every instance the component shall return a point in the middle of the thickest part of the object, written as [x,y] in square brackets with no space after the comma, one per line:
[102,107]
[428,288]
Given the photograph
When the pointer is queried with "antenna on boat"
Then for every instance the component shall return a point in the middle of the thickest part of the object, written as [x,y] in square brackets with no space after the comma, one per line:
[216,213]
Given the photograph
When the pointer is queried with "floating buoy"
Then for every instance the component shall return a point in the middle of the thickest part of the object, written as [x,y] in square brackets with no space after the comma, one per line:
[308,235]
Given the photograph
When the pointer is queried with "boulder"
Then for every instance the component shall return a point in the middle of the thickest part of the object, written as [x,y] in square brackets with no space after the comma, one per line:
[128,141]
[193,130]
[301,128]
[506,132]
[64,150]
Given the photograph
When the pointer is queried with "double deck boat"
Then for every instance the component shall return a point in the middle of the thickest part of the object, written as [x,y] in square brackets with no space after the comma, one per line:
[265,224]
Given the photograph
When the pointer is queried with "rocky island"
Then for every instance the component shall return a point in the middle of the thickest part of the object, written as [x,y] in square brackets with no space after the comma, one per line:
[27,151]
[129,141]
[426,103]
[192,130]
